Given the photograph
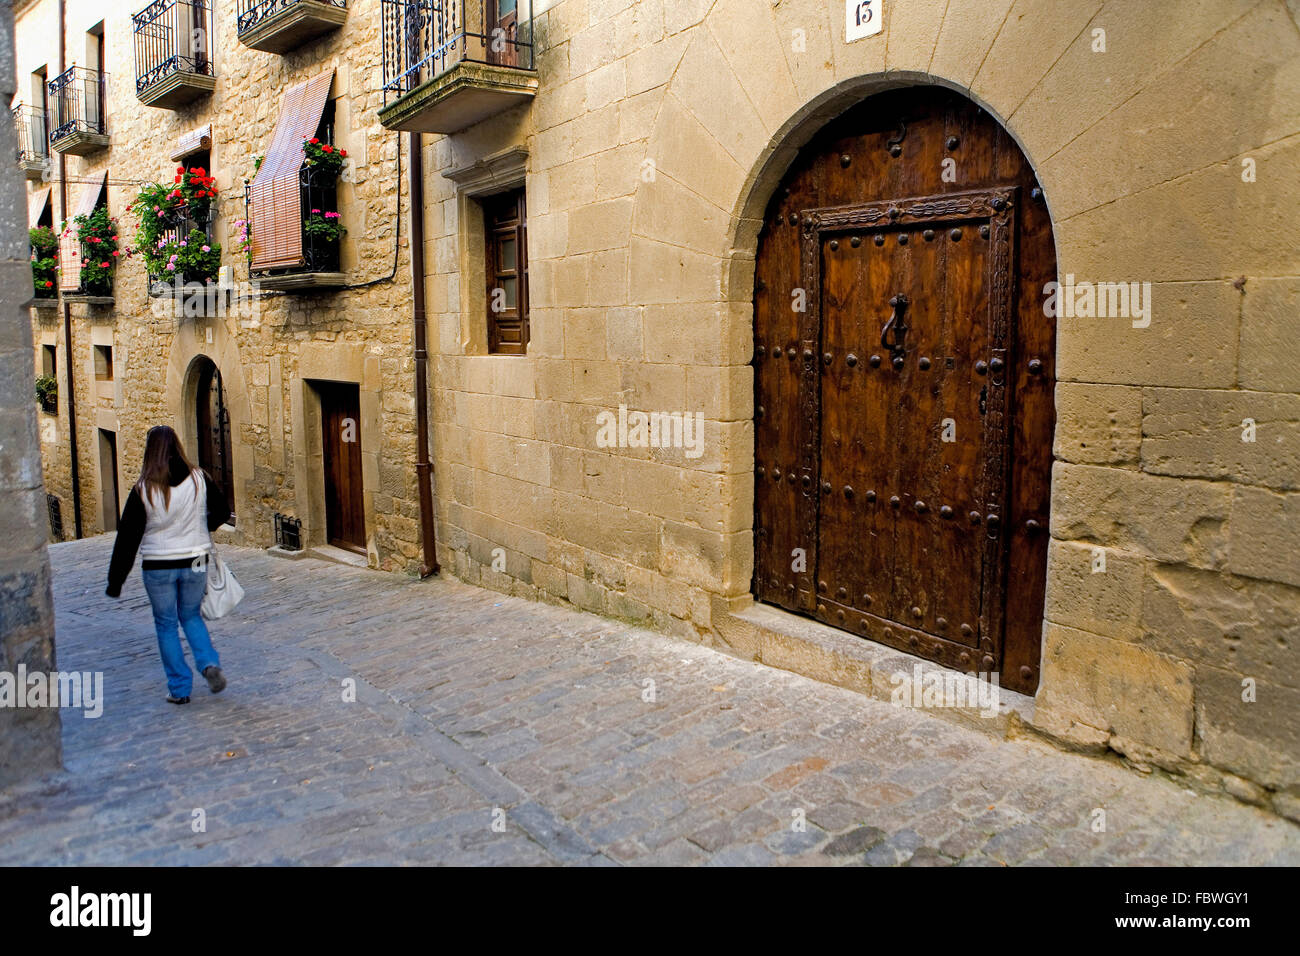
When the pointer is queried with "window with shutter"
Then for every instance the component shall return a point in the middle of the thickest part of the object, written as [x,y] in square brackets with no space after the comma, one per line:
[505,246]
[275,195]
[69,245]
[38,208]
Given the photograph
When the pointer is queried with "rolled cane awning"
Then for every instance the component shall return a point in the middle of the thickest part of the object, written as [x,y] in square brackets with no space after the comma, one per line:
[69,246]
[275,197]
[192,142]
[36,204]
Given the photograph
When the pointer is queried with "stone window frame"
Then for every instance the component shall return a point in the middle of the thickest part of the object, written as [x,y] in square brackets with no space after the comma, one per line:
[491,175]
[498,228]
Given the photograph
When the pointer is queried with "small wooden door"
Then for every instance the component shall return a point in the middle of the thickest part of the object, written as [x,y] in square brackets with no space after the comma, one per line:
[108,488]
[903,376]
[340,410]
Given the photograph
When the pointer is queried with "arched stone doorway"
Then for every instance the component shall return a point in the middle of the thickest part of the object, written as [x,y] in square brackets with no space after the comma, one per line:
[904,373]
[210,419]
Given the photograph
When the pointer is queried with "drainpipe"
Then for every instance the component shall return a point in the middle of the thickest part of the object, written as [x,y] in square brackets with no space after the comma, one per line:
[423,468]
[67,309]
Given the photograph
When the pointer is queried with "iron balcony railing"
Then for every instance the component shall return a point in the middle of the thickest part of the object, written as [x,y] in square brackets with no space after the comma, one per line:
[172,36]
[178,228]
[251,13]
[77,99]
[33,134]
[424,38]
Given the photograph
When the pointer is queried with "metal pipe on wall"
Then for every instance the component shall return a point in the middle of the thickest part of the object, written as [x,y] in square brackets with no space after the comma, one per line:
[67,309]
[423,468]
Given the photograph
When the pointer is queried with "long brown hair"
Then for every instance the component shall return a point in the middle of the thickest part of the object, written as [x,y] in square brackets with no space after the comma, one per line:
[161,449]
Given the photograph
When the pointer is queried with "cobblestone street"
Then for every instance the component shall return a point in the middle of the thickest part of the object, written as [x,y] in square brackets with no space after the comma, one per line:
[472,707]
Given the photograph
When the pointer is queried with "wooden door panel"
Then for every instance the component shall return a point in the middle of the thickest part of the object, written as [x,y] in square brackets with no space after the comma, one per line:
[341,454]
[904,170]
[889,272]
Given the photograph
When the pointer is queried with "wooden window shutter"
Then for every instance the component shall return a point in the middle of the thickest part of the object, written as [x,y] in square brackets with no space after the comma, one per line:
[69,244]
[36,204]
[275,197]
[505,219]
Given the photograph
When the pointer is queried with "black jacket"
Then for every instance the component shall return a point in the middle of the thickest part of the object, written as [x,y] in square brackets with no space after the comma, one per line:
[130,529]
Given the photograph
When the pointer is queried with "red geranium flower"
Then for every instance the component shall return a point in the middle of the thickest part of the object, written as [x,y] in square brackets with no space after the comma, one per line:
[313,141]
[326,148]
[343,153]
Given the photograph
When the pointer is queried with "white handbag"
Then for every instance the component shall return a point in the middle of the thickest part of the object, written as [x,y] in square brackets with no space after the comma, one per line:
[223,591]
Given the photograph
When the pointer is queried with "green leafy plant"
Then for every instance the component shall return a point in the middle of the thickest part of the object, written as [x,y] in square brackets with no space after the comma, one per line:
[47,392]
[97,233]
[323,226]
[323,158]
[193,259]
[45,261]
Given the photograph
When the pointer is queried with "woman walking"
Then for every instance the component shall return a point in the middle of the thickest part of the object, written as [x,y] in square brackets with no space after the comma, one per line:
[169,518]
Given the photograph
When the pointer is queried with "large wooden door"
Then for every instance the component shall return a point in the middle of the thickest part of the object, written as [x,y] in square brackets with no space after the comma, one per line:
[340,408]
[903,374]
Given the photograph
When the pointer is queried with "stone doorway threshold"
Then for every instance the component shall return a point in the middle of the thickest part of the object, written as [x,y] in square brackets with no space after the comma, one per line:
[779,638]
[329,552]
[322,552]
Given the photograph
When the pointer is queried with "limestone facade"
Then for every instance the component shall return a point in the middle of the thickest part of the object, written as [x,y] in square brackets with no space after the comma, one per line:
[1166,137]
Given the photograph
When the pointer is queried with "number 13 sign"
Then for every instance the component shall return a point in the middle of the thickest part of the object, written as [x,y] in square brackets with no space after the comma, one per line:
[862,18]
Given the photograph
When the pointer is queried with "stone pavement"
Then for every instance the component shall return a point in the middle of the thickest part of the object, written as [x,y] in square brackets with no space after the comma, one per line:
[473,708]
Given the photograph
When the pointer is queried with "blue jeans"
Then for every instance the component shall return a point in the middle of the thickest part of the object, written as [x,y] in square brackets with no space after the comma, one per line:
[176,594]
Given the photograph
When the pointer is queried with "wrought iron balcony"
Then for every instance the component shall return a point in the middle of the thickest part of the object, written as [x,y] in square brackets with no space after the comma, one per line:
[318,259]
[173,52]
[33,141]
[78,97]
[281,26]
[449,64]
[180,227]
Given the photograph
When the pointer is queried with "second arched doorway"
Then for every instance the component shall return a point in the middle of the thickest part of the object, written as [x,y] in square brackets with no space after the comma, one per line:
[904,372]
[211,423]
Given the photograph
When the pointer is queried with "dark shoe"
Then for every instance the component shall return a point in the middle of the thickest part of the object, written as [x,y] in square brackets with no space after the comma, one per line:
[177,700]
[216,679]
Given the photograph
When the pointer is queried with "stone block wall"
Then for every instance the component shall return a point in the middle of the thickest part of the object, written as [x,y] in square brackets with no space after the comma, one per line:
[1166,136]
